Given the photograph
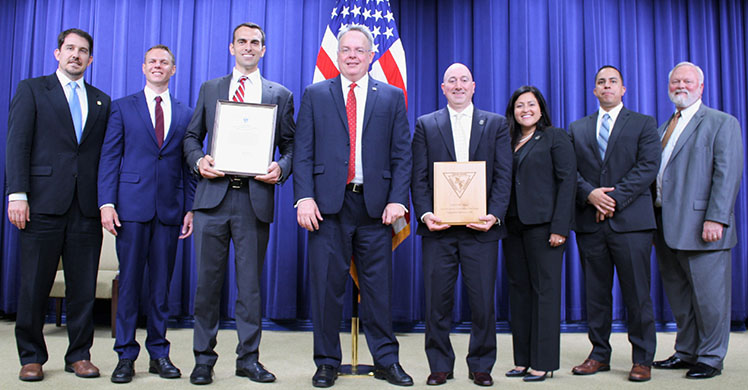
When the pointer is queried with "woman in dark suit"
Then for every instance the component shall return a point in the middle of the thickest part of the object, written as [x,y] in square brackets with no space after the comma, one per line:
[538,220]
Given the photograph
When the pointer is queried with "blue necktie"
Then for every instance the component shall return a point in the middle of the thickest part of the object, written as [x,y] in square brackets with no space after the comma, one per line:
[602,138]
[75,111]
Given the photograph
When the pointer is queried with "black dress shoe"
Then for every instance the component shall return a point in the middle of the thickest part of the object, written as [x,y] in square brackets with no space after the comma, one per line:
[439,378]
[702,371]
[481,378]
[514,373]
[256,372]
[164,368]
[672,363]
[124,371]
[202,374]
[394,374]
[325,376]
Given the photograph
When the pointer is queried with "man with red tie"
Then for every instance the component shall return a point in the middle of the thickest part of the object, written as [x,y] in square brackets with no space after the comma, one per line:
[235,208]
[145,194]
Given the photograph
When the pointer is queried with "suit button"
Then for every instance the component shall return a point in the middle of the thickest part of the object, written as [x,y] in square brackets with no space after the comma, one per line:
[160,157]
[345,163]
[604,171]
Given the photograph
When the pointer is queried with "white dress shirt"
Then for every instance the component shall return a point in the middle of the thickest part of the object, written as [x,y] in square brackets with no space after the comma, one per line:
[252,87]
[685,116]
[359,91]
[462,123]
[613,116]
[150,99]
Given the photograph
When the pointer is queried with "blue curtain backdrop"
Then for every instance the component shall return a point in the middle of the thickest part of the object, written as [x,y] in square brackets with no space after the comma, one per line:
[553,44]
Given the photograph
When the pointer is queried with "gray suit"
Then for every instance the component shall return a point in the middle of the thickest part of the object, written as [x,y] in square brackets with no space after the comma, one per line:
[700,183]
[240,213]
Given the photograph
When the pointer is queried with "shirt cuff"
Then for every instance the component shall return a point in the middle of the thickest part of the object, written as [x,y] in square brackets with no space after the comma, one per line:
[298,202]
[107,205]
[424,215]
[17,196]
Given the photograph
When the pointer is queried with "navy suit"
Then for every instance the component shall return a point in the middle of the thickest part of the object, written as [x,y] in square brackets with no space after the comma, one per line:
[475,252]
[238,213]
[352,222]
[630,165]
[45,160]
[151,190]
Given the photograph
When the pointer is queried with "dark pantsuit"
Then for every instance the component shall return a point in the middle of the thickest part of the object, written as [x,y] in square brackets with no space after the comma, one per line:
[534,270]
[630,254]
[46,237]
[233,219]
[443,256]
[154,245]
[352,232]
[698,287]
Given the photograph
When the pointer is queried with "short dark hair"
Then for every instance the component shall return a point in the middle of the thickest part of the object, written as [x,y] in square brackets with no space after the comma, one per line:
[76,31]
[515,129]
[250,25]
[162,47]
[611,67]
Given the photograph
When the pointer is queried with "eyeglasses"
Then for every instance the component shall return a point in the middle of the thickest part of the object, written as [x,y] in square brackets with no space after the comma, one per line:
[359,51]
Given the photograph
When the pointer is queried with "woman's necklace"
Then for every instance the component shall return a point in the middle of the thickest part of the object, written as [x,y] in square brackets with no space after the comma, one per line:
[525,138]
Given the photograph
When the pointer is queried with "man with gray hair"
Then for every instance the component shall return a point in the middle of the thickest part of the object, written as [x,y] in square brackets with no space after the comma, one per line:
[698,181]
[352,161]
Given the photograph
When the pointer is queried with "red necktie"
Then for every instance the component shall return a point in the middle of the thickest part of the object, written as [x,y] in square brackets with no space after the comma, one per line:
[350,109]
[239,94]
[159,122]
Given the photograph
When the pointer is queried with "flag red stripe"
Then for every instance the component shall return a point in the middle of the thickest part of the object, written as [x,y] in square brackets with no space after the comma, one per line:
[392,72]
[325,65]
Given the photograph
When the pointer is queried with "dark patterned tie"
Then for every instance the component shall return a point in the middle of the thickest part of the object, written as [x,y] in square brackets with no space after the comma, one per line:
[159,122]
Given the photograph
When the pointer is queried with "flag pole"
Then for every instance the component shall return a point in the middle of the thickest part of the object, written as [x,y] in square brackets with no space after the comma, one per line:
[355,369]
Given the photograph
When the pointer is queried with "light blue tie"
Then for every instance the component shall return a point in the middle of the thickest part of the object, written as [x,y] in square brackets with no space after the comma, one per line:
[602,138]
[75,111]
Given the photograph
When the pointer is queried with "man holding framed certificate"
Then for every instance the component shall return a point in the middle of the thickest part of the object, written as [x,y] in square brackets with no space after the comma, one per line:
[453,150]
[235,207]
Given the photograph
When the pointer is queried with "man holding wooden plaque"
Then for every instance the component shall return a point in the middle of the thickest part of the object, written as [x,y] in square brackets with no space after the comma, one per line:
[462,168]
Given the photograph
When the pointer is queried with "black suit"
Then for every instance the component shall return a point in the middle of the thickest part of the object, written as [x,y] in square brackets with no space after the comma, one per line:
[242,215]
[630,165]
[445,252]
[45,161]
[542,202]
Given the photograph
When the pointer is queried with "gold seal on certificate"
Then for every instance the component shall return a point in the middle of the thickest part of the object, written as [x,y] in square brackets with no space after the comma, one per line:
[243,137]
[460,191]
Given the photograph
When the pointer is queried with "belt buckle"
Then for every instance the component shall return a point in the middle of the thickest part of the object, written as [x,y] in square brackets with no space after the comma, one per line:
[236,182]
[357,188]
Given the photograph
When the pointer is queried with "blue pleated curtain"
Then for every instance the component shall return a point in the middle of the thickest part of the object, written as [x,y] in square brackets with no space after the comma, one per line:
[553,44]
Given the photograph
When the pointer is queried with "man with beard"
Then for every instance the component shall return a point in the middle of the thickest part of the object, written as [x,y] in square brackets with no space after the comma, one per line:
[698,181]
[56,126]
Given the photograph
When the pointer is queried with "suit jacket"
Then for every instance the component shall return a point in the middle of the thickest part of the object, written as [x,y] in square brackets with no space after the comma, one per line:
[545,181]
[701,181]
[210,192]
[631,162]
[489,142]
[43,157]
[142,180]
[321,149]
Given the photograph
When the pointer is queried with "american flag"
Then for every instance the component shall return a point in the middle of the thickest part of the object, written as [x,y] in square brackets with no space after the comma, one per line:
[388,64]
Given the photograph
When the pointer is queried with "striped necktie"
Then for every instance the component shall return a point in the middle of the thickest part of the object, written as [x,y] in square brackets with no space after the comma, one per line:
[602,138]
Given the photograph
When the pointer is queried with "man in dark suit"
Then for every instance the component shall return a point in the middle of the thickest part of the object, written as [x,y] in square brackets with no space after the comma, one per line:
[145,193]
[56,126]
[618,154]
[352,164]
[461,132]
[235,208]
[698,181]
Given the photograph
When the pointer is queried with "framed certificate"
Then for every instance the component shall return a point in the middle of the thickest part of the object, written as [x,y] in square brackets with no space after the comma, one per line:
[243,140]
[460,191]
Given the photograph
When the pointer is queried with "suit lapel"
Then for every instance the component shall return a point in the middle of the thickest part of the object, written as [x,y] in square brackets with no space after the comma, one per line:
[445,129]
[525,150]
[476,132]
[267,92]
[689,130]
[223,87]
[371,102]
[94,110]
[620,124]
[175,119]
[141,107]
[591,134]
[336,92]
[59,102]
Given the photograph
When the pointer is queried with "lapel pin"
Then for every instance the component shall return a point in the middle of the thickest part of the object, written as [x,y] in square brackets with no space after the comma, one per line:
[98,102]
[373,88]
[537,137]
[482,121]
